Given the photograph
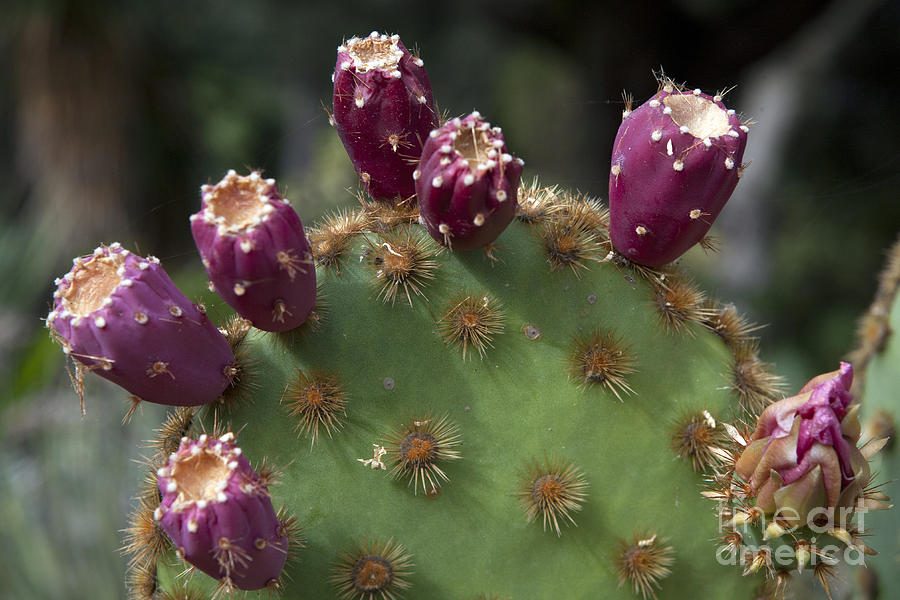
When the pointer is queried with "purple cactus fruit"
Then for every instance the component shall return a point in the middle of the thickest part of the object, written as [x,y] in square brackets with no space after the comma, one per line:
[255,251]
[383,111]
[122,317]
[467,183]
[675,162]
[217,511]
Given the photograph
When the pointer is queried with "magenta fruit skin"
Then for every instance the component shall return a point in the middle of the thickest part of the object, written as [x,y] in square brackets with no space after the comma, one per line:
[820,422]
[382,115]
[666,186]
[147,337]
[463,207]
[263,270]
[234,532]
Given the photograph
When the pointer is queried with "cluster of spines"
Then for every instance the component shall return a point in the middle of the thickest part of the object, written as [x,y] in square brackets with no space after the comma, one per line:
[752,379]
[678,302]
[417,449]
[401,264]
[730,325]
[873,329]
[472,321]
[697,437]
[144,540]
[316,400]
[330,241]
[373,571]
[553,491]
[537,203]
[243,374]
[601,358]
[643,561]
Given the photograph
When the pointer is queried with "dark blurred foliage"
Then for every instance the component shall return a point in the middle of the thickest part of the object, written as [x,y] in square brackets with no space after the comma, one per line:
[837,204]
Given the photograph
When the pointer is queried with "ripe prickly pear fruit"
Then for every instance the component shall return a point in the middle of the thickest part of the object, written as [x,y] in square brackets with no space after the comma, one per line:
[383,110]
[120,316]
[466,183]
[217,511]
[255,251]
[675,162]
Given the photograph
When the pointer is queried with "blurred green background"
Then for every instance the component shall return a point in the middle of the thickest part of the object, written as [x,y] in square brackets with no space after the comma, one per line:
[113,113]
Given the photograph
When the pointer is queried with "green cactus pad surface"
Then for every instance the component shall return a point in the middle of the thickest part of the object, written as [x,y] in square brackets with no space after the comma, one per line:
[525,401]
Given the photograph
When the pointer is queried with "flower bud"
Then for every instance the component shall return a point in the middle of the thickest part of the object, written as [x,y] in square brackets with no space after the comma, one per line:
[803,455]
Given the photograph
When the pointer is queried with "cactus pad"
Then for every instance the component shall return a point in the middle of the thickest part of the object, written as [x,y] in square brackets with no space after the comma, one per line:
[541,420]
[513,470]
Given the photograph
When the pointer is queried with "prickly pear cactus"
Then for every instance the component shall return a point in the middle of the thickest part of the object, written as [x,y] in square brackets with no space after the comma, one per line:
[489,396]
[878,354]
[528,424]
